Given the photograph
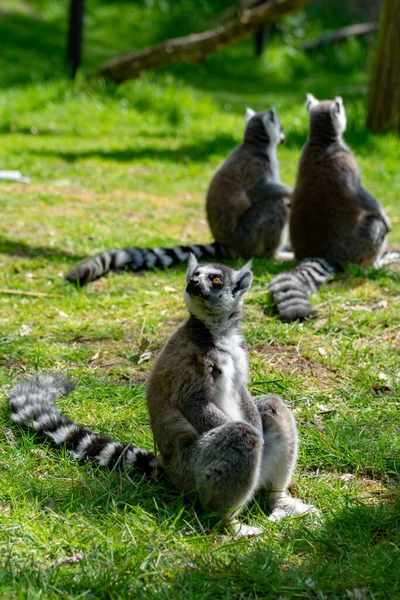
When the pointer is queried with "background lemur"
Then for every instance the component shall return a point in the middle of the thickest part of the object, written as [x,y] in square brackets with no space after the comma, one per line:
[214,441]
[333,219]
[246,210]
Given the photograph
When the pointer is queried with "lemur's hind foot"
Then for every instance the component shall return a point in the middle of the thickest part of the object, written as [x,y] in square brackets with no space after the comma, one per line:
[389,258]
[289,507]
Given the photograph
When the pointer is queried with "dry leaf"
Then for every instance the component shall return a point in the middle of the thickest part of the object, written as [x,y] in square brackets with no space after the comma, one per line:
[145,357]
[10,437]
[94,357]
[323,409]
[68,560]
[381,388]
[5,509]
[359,593]
[25,330]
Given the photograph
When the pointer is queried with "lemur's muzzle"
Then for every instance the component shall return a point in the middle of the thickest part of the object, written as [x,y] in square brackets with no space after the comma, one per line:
[195,287]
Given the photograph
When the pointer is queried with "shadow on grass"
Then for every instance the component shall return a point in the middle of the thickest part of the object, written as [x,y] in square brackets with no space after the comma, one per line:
[356,548]
[197,152]
[14,248]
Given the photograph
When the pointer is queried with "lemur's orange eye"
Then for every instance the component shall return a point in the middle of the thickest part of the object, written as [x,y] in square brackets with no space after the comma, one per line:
[217,280]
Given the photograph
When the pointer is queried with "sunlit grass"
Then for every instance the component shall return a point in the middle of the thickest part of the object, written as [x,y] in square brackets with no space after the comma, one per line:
[130,166]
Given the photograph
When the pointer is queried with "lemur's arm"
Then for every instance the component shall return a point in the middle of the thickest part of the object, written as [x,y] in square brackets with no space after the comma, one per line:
[264,190]
[202,414]
[251,413]
[367,202]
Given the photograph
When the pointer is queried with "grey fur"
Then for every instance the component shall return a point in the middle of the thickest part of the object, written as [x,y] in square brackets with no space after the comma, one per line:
[334,220]
[32,405]
[247,211]
[213,439]
[247,205]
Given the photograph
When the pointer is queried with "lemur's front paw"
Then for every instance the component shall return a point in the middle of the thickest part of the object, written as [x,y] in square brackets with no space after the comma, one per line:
[243,530]
[289,507]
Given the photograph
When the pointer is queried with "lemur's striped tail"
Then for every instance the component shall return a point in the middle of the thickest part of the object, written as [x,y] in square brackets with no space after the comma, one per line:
[290,290]
[140,259]
[32,404]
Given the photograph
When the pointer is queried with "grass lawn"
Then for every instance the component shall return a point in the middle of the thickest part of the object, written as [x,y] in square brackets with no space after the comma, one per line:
[129,165]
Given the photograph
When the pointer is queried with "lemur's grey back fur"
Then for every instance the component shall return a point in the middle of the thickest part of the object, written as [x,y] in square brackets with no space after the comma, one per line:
[247,205]
[333,219]
[246,210]
[32,405]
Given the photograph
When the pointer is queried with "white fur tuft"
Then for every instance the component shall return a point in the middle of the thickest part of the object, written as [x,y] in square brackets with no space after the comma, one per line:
[338,115]
[192,264]
[311,102]
[249,114]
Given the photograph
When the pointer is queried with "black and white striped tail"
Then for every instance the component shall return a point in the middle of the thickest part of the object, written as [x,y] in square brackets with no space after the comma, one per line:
[290,290]
[32,405]
[140,259]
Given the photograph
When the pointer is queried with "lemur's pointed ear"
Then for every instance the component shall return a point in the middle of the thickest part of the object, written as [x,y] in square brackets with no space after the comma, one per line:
[337,105]
[192,264]
[311,102]
[249,114]
[242,280]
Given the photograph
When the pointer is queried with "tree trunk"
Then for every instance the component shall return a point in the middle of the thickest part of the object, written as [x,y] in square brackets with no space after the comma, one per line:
[384,96]
[197,46]
[75,34]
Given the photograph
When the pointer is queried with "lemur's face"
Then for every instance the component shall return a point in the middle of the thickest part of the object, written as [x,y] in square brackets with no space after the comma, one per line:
[273,127]
[331,110]
[214,289]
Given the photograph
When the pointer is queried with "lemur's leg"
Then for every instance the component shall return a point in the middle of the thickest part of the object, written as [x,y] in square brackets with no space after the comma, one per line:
[368,243]
[261,229]
[279,457]
[227,467]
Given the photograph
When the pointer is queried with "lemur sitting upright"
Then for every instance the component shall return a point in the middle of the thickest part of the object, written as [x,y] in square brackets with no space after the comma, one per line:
[246,210]
[214,441]
[333,219]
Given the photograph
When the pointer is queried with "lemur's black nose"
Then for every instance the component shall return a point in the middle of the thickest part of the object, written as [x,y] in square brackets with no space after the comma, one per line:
[194,287]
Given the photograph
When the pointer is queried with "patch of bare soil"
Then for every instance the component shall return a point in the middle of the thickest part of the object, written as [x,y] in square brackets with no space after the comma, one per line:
[288,360]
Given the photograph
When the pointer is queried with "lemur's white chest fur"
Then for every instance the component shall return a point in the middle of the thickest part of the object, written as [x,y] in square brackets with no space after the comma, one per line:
[234,374]
[274,165]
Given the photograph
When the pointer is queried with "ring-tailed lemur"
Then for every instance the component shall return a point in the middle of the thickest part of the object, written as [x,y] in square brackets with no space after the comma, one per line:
[246,210]
[214,441]
[333,219]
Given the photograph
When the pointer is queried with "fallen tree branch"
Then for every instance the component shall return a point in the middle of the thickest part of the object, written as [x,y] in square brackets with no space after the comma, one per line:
[26,293]
[341,34]
[197,46]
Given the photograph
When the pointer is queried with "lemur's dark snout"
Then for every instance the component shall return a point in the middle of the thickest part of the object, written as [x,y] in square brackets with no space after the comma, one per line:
[194,287]
[283,138]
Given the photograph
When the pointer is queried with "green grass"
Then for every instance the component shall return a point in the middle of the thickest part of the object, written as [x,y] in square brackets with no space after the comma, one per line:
[130,165]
